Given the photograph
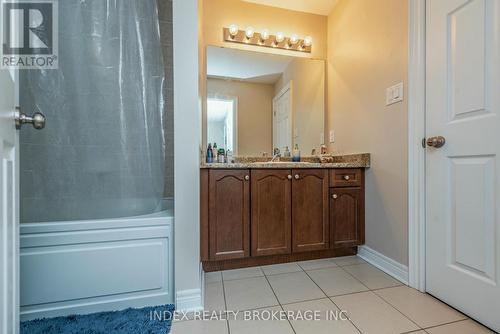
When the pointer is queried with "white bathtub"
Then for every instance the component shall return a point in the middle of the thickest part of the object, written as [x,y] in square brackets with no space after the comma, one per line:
[80,267]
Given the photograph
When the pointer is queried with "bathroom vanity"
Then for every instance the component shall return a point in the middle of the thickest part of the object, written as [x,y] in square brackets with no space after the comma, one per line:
[261,213]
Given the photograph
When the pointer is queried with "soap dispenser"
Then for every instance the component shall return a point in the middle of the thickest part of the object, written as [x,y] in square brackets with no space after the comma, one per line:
[296,154]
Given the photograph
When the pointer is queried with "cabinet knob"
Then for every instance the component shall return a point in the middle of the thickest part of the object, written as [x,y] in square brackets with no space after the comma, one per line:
[335,196]
[297,176]
[289,177]
[347,177]
[247,177]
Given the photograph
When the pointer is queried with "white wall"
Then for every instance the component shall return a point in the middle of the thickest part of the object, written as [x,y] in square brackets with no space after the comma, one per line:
[187,132]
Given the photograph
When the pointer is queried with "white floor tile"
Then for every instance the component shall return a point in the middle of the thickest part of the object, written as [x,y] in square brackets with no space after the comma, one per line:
[294,287]
[348,260]
[372,277]
[213,277]
[335,281]
[423,309]
[461,327]
[260,325]
[214,297]
[372,315]
[327,323]
[317,264]
[200,327]
[249,293]
[283,268]
[229,275]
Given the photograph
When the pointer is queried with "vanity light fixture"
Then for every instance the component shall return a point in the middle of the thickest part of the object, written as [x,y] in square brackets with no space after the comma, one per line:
[294,39]
[264,36]
[233,30]
[307,41]
[280,37]
[249,32]
[249,36]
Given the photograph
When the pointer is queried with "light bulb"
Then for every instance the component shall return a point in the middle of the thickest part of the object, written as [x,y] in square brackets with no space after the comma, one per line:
[264,35]
[233,30]
[249,32]
[308,41]
[280,37]
[294,39]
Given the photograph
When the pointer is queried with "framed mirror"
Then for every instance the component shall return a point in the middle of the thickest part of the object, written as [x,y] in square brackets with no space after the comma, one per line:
[257,102]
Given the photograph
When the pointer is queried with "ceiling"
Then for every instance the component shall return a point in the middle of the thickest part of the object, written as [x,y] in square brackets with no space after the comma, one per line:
[245,65]
[320,7]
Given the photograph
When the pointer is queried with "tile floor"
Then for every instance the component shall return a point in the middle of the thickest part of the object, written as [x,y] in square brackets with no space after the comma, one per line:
[374,301]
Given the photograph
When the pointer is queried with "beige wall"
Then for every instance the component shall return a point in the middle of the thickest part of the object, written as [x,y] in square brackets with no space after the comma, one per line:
[308,101]
[223,13]
[367,52]
[254,113]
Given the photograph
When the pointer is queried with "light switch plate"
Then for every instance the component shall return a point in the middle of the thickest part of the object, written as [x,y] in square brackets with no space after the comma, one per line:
[332,136]
[394,94]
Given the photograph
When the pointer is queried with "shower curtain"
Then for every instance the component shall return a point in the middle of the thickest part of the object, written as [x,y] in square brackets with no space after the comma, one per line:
[102,152]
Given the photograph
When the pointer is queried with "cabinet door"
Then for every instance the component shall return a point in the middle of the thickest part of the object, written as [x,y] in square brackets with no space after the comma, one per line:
[346,211]
[271,212]
[229,214]
[310,210]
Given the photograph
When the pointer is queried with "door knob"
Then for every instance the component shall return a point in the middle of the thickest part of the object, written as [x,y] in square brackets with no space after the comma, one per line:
[335,196]
[247,177]
[297,176]
[37,120]
[436,142]
[347,177]
[289,177]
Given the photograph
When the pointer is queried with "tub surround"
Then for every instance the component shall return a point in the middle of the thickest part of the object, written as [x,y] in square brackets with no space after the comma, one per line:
[358,160]
[254,212]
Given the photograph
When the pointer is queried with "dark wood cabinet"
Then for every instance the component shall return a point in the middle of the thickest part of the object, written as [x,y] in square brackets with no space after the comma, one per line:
[229,214]
[271,212]
[263,216]
[310,210]
[347,217]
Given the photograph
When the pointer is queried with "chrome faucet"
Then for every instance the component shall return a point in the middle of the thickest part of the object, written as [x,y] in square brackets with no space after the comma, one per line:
[276,155]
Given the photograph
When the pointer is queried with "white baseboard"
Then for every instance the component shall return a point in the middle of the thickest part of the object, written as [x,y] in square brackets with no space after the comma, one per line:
[189,300]
[388,265]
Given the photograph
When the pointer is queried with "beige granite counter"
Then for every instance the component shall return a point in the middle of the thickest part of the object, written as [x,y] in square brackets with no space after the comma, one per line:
[361,160]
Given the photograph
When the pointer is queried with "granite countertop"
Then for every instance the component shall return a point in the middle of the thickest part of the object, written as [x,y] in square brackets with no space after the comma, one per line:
[359,160]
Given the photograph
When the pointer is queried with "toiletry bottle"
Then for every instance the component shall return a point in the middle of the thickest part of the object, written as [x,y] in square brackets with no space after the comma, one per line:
[230,158]
[287,153]
[209,154]
[220,156]
[296,154]
[215,152]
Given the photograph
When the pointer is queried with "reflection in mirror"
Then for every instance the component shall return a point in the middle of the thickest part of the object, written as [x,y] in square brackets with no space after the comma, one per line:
[221,122]
[259,101]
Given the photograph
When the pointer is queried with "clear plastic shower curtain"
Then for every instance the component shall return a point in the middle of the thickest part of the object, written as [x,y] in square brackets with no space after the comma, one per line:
[102,152]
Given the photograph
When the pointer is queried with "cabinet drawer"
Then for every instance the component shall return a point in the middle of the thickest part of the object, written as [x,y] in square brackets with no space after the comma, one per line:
[345,178]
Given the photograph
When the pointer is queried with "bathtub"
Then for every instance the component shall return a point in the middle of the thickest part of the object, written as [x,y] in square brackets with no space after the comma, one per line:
[80,267]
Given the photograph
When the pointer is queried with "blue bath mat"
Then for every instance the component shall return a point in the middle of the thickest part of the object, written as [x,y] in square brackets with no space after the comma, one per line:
[129,321]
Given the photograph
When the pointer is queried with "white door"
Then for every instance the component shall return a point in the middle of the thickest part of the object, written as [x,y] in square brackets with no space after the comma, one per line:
[463,176]
[282,119]
[9,209]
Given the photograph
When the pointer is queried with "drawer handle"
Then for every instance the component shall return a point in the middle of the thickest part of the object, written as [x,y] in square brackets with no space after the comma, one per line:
[247,177]
[297,176]
[347,177]
[335,196]
[289,177]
